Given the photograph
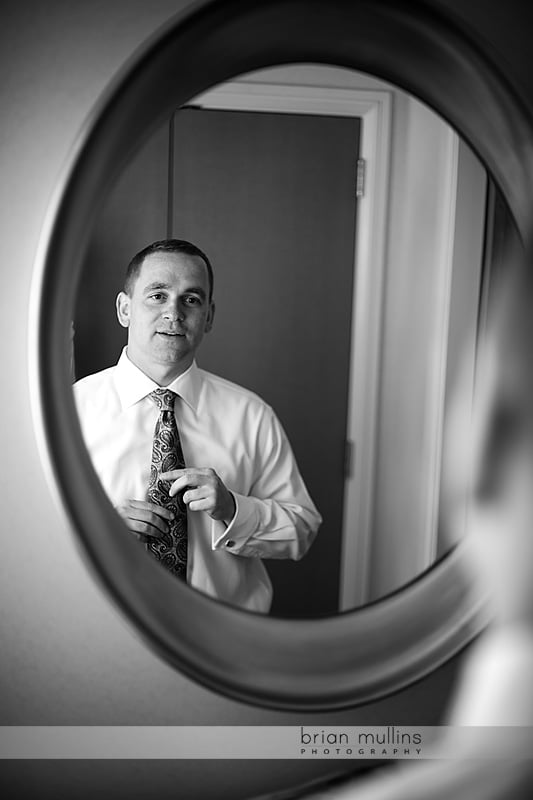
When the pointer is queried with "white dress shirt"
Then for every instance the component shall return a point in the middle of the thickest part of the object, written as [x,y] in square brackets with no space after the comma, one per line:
[222,426]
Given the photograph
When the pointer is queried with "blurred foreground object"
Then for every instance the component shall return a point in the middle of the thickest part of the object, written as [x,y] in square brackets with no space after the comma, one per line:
[492,465]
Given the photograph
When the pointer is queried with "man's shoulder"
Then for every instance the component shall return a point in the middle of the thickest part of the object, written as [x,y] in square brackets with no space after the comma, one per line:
[94,389]
[231,391]
[90,382]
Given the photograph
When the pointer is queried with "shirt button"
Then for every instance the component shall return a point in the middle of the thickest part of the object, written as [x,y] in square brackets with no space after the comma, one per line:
[230,543]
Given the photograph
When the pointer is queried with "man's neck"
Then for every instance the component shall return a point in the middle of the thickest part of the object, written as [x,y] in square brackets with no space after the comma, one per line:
[162,374]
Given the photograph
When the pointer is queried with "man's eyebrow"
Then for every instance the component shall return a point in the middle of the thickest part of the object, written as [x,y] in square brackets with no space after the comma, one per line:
[156,285]
[196,290]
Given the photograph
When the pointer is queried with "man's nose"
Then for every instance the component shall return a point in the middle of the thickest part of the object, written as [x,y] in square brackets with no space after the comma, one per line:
[173,312]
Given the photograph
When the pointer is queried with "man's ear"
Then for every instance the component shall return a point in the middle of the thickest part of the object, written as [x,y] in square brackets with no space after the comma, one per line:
[210,317]
[123,309]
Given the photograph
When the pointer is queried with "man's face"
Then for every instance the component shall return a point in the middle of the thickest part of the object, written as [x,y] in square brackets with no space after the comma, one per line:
[167,313]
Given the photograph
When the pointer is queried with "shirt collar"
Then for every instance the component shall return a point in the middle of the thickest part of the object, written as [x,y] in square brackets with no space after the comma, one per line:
[133,385]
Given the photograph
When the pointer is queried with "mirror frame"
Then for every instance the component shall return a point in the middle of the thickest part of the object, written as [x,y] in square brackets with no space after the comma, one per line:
[319,664]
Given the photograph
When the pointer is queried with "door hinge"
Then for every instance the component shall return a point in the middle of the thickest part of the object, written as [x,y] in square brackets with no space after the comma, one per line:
[360,177]
[349,452]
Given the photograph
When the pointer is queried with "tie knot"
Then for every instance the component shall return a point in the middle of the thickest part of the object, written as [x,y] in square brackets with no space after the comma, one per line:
[164,399]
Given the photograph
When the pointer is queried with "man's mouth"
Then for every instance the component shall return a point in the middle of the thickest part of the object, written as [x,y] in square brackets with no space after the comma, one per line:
[170,333]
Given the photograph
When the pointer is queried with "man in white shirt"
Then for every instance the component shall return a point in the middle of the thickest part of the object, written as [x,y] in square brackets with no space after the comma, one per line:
[244,495]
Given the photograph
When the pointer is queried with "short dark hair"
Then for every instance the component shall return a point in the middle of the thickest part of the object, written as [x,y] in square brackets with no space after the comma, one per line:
[165,246]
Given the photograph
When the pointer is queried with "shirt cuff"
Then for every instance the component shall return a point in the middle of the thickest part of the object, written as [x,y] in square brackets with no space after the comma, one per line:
[233,536]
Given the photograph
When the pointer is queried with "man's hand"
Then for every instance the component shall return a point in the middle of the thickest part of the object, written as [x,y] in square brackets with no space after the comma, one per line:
[145,520]
[206,491]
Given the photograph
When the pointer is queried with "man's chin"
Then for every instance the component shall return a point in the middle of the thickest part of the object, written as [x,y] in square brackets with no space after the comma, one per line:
[170,344]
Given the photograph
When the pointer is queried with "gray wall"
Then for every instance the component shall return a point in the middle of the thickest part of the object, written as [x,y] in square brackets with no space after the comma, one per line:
[68,658]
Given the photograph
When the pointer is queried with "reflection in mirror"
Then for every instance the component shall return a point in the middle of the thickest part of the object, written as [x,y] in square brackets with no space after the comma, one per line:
[347,226]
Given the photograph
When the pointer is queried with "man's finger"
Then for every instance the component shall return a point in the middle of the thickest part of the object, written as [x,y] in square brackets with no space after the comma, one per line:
[203,504]
[192,472]
[198,493]
[143,521]
[184,481]
[143,530]
[145,505]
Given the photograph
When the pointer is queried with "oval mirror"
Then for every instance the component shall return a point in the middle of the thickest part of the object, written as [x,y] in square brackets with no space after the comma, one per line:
[330,661]
[348,226]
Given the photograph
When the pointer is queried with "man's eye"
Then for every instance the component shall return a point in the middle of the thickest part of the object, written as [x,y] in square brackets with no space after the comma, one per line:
[156,296]
[192,300]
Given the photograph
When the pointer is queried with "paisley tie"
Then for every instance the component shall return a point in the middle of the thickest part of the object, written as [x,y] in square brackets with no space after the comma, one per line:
[171,548]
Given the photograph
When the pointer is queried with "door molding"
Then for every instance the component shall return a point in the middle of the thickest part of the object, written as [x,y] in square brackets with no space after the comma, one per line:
[373,107]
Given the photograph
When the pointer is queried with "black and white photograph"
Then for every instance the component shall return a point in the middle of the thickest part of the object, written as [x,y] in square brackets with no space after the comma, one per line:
[267,429]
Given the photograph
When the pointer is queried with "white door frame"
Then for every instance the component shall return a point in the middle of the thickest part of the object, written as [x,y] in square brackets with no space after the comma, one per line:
[373,107]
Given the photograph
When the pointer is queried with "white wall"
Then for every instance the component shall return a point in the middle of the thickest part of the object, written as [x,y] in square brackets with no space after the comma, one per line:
[68,658]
